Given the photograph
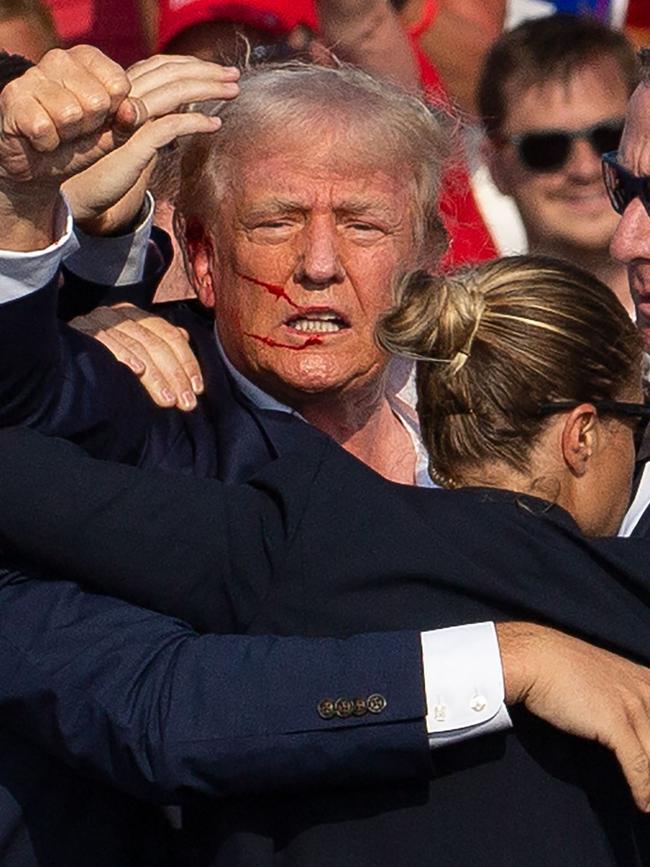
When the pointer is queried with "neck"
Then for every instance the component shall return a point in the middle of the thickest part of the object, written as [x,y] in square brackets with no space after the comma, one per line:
[365,425]
[543,479]
[597,262]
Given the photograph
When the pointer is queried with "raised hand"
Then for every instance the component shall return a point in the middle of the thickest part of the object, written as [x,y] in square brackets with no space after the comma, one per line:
[75,107]
[52,118]
[161,86]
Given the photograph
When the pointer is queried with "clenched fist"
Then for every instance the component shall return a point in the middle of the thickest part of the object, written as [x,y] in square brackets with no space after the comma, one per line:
[77,107]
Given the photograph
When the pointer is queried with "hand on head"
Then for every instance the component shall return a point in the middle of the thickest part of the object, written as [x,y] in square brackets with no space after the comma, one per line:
[77,106]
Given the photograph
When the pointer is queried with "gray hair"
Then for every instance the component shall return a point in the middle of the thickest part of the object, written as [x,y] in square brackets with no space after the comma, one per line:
[394,122]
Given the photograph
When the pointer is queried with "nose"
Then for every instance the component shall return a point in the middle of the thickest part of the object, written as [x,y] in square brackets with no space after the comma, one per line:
[583,162]
[320,264]
[631,240]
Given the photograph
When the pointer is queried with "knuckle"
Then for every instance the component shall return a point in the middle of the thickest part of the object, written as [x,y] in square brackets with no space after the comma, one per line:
[641,765]
[70,113]
[155,343]
[84,52]
[57,56]
[156,380]
[98,102]
[179,376]
[12,89]
[117,87]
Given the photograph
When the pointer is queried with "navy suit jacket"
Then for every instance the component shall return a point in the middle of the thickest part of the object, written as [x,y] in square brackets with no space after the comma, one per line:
[317,542]
[86,698]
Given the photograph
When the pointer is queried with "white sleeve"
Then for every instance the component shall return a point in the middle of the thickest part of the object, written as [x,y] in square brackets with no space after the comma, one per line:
[110,260]
[24,273]
[639,504]
[463,681]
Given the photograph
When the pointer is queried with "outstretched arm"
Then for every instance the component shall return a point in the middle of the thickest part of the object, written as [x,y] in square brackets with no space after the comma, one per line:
[142,702]
[131,518]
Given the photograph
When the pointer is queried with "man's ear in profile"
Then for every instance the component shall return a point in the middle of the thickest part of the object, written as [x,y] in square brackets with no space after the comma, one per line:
[200,257]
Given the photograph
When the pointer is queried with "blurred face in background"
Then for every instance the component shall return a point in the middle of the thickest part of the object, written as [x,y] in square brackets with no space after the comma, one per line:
[29,36]
[563,205]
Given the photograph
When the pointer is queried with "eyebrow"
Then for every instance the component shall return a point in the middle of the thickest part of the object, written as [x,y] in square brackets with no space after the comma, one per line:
[352,207]
[273,205]
[364,206]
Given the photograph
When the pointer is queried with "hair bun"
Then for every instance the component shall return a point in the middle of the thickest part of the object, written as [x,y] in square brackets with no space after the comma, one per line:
[436,319]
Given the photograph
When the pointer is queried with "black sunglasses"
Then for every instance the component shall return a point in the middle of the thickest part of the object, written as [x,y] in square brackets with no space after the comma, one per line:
[548,150]
[638,411]
[622,186]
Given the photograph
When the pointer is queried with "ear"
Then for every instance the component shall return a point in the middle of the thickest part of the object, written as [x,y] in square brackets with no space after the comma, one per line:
[580,438]
[199,255]
[495,158]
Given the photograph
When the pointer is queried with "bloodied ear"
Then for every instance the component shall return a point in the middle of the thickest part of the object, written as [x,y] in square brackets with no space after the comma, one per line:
[199,256]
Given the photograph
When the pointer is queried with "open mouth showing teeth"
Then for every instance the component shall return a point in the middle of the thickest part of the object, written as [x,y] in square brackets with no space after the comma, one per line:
[317,323]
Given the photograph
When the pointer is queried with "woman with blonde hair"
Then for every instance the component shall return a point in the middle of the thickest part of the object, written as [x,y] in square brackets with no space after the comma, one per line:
[529,388]
[528,379]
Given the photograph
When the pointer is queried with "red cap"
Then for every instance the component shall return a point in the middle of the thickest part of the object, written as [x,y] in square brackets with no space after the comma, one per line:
[275,16]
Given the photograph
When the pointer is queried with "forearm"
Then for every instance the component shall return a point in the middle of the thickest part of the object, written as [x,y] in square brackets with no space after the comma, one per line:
[143,703]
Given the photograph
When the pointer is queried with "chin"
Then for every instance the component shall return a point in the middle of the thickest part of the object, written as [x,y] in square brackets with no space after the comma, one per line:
[320,374]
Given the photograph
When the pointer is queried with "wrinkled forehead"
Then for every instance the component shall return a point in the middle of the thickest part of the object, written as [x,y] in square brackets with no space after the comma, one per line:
[324,162]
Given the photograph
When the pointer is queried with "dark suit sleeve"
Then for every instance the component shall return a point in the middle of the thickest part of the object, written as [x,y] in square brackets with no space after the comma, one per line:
[142,702]
[78,297]
[61,382]
[192,548]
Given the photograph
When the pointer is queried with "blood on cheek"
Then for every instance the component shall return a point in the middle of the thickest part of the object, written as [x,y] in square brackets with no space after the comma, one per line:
[279,292]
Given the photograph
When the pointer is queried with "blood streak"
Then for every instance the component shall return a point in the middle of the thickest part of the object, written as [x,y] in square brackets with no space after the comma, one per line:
[274,289]
[314,340]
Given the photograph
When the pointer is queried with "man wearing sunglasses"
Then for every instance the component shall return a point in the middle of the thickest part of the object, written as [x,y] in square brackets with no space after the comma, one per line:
[552,95]
[627,179]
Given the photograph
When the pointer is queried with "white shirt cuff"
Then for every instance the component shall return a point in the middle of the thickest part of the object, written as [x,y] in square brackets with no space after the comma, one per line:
[463,681]
[24,273]
[638,505]
[113,261]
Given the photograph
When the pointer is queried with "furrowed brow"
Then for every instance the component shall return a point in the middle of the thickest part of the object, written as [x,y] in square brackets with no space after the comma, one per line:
[271,207]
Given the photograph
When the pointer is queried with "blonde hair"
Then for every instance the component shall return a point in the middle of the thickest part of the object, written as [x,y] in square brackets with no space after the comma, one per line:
[495,342]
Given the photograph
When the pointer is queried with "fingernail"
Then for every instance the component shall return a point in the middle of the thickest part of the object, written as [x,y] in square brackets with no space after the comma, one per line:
[197,384]
[188,400]
[136,365]
[167,395]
